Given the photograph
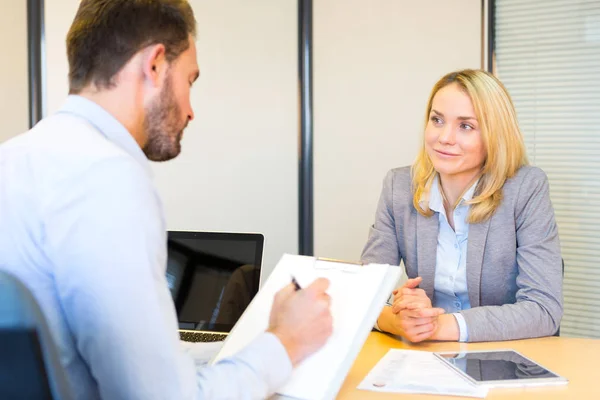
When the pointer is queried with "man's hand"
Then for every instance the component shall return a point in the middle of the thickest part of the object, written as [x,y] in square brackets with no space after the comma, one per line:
[302,319]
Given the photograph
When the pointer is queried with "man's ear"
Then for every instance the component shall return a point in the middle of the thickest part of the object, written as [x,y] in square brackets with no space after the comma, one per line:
[154,64]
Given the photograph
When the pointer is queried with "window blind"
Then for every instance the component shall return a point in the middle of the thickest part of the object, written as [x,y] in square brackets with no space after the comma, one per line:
[548,57]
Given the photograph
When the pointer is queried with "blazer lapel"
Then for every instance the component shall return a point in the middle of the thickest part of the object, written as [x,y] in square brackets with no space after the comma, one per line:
[475,249]
[427,235]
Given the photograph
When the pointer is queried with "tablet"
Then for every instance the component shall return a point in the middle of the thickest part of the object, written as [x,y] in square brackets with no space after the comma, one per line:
[500,368]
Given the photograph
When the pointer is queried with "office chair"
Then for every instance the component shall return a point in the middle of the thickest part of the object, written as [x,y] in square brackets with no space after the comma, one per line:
[29,362]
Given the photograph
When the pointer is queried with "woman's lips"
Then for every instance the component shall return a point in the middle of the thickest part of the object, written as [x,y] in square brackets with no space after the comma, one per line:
[446,154]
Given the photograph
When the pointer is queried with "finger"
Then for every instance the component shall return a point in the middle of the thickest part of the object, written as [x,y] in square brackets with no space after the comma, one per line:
[414,292]
[410,305]
[417,311]
[411,326]
[427,311]
[423,328]
[410,298]
[424,312]
[402,291]
[323,311]
[411,302]
[423,321]
[412,283]
[326,299]
[414,319]
[408,285]
[421,336]
[285,293]
[399,307]
[319,286]
[328,324]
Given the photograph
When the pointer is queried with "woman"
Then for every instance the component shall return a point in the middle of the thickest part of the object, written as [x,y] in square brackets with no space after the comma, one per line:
[473,224]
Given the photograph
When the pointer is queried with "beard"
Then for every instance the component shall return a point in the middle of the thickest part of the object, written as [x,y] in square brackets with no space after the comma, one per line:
[162,126]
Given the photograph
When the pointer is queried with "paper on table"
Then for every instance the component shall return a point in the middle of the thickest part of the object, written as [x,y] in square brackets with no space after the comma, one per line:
[411,371]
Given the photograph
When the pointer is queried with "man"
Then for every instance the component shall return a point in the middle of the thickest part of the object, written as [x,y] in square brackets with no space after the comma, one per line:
[81,223]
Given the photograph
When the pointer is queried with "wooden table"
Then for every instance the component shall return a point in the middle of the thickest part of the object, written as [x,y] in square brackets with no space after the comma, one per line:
[578,360]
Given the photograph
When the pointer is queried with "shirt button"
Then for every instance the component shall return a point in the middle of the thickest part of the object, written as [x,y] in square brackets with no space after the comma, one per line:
[457,304]
[456,246]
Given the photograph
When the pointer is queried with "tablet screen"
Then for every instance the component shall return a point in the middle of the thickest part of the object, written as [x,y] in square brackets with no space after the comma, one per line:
[490,366]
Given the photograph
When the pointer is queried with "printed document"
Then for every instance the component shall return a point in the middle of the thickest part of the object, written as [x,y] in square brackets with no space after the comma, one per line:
[411,371]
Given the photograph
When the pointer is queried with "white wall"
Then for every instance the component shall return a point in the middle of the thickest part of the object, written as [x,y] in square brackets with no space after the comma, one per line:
[375,63]
[238,168]
[59,15]
[14,97]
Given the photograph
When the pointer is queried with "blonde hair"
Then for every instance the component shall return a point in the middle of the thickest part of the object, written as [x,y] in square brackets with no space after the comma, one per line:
[501,137]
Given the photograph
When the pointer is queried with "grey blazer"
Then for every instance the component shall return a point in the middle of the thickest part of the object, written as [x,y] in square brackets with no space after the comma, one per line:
[514,266]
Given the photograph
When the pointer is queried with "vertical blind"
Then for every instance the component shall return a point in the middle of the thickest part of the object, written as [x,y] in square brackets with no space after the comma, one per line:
[548,56]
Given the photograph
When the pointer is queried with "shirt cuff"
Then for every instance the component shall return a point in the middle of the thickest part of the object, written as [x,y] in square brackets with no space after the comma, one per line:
[462,327]
[269,358]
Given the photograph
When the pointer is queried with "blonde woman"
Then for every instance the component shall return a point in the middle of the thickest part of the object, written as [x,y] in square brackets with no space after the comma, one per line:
[473,224]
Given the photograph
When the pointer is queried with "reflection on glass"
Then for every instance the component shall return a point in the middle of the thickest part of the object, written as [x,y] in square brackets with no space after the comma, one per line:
[497,365]
[211,284]
[238,293]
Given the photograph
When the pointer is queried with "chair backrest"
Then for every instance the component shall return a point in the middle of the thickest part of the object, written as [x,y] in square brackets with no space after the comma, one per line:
[29,362]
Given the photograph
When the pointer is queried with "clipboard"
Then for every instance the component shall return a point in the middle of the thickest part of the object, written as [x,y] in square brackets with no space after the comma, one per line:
[358,294]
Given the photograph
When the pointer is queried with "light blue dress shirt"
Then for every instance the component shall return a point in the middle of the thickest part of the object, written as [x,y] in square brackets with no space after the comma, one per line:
[450,285]
[82,225]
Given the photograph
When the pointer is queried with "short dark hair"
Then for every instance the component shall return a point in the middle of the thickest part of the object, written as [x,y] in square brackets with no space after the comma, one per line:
[105,34]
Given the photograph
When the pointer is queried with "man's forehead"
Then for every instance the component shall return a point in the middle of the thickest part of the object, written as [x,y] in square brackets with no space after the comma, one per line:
[187,60]
[192,55]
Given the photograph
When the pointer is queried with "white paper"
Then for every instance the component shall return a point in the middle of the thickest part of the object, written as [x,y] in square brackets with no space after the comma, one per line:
[411,371]
[357,294]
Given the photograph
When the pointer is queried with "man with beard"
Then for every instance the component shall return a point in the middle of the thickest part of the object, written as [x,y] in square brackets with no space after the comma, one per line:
[82,226]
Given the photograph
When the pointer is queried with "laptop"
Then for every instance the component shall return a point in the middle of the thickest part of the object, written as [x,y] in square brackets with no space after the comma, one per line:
[212,277]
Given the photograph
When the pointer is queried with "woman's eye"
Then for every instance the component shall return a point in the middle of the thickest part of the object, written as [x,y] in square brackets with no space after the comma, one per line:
[466,127]
[436,120]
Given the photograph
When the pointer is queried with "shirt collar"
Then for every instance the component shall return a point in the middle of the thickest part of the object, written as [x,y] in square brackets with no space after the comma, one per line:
[107,125]
[436,201]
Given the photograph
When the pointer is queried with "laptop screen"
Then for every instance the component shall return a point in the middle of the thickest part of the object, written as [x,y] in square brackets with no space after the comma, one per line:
[213,277]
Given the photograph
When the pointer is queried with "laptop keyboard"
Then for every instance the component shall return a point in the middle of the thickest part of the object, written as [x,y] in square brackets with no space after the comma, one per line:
[202,336]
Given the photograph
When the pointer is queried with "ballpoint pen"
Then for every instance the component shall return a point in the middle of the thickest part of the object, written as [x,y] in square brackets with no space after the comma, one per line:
[296,285]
